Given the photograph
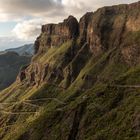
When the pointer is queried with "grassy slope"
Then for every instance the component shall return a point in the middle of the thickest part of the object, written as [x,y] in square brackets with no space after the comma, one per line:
[101,112]
[90,108]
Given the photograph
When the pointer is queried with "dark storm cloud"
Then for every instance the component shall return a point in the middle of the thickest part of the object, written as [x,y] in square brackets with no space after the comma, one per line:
[21,8]
[29,5]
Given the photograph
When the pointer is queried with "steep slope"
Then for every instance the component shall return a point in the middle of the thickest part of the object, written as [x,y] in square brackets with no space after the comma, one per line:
[82,83]
[26,50]
[10,64]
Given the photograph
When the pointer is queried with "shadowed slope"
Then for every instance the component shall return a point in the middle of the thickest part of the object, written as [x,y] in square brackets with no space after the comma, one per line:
[76,85]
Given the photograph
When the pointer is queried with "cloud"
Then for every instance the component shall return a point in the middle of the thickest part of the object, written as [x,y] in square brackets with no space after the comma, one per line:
[30,14]
[80,7]
[28,30]
[22,8]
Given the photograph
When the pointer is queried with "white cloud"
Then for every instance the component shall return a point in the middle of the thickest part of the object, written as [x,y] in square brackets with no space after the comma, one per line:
[45,11]
[19,9]
[28,30]
[80,7]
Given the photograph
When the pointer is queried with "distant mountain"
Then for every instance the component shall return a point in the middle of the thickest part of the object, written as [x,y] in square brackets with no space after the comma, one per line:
[10,64]
[83,82]
[27,49]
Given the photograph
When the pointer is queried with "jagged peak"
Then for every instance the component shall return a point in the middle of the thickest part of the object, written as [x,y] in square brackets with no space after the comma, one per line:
[57,34]
[66,22]
[70,18]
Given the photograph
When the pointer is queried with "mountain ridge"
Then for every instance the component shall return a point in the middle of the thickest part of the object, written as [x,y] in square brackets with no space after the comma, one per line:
[10,63]
[76,85]
[27,49]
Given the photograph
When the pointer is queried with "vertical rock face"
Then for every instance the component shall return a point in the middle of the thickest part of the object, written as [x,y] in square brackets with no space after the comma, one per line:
[54,35]
[101,30]
[83,25]
[107,28]
[81,81]
[68,28]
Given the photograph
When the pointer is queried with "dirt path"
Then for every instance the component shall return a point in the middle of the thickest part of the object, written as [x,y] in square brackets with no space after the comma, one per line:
[45,99]
[17,113]
[126,86]
[28,102]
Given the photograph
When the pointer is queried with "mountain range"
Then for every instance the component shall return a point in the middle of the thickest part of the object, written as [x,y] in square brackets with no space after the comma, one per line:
[25,50]
[11,61]
[82,82]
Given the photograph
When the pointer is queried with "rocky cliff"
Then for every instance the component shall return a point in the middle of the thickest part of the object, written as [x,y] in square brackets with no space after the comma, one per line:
[82,83]
[56,34]
[96,33]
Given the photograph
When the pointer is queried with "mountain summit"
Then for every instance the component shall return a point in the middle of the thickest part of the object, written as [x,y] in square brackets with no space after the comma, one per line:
[82,83]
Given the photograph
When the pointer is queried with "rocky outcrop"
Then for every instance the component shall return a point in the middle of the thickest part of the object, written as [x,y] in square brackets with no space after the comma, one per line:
[22,74]
[96,33]
[110,26]
[83,25]
[68,28]
[54,35]
[101,30]
[82,83]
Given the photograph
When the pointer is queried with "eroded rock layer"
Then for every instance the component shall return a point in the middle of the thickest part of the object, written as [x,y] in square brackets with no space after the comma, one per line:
[82,83]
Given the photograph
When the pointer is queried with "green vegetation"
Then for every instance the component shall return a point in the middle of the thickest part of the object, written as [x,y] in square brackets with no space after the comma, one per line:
[70,93]
[103,112]
[132,38]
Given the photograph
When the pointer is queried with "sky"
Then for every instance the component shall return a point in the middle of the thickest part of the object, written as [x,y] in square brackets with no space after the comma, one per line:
[21,20]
